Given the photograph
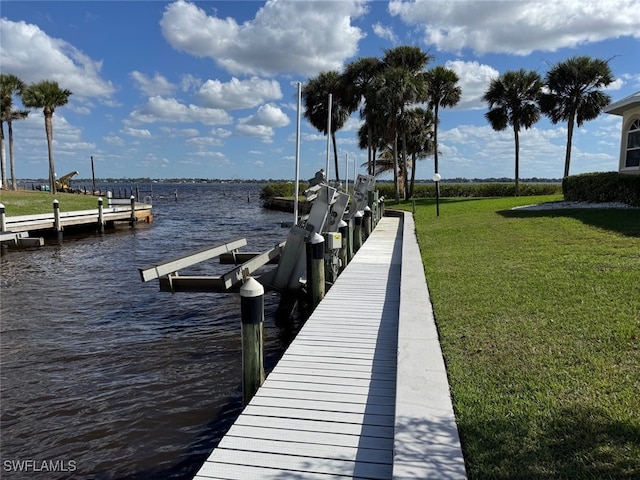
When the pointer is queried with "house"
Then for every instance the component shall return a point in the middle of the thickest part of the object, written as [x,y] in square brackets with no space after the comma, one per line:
[629,109]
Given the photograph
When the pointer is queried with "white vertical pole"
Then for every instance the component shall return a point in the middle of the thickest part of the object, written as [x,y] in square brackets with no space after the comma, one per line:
[354,172]
[296,192]
[328,136]
[346,172]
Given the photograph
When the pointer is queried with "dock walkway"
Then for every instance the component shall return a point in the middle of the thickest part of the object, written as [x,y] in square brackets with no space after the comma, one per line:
[46,221]
[362,391]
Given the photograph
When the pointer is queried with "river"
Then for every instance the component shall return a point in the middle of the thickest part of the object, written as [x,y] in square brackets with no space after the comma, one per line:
[103,376]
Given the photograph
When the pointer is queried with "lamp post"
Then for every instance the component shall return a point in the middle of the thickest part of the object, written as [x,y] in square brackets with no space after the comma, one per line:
[436,178]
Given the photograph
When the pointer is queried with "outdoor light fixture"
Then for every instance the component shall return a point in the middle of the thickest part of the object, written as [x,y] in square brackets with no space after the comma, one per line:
[436,178]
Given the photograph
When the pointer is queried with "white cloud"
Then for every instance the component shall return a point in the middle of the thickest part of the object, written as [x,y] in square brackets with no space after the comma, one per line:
[170,110]
[237,94]
[386,33]
[22,46]
[474,79]
[137,132]
[113,140]
[268,115]
[519,27]
[158,85]
[283,37]
[262,123]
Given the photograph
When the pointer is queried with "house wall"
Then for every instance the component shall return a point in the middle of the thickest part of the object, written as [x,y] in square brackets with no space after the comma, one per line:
[628,117]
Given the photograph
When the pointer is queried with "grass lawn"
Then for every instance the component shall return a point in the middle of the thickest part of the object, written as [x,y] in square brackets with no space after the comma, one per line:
[31,202]
[539,318]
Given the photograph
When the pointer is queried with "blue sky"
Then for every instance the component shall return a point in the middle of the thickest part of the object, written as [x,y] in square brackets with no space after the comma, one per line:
[208,89]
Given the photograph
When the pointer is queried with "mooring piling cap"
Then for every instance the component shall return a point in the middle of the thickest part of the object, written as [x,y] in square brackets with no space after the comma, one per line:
[316,238]
[342,224]
[359,213]
[251,288]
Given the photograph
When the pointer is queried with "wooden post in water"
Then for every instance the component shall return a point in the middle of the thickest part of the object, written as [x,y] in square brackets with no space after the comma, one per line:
[252,308]
[3,218]
[56,219]
[367,222]
[357,231]
[315,269]
[133,210]
[349,239]
[371,202]
[100,215]
[343,228]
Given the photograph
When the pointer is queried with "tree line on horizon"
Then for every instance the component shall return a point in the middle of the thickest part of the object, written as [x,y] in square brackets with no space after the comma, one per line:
[399,101]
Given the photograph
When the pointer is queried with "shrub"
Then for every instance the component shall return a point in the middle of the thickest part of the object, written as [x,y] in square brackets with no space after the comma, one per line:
[475,190]
[602,187]
[284,189]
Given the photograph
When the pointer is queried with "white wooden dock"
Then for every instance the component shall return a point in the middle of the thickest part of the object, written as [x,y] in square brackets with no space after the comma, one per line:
[46,221]
[329,407]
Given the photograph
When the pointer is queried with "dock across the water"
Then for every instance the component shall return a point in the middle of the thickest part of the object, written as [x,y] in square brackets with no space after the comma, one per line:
[15,229]
[362,391]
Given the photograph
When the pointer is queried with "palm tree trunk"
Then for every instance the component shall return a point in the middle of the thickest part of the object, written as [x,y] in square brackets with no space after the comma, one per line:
[48,126]
[3,160]
[517,172]
[369,151]
[567,158]
[413,173]
[14,183]
[404,166]
[335,157]
[395,167]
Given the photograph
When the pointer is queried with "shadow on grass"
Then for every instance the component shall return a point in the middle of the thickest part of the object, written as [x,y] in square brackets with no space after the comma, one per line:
[619,220]
[575,443]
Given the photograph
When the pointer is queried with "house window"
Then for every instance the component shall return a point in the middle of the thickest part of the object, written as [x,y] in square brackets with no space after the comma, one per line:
[633,145]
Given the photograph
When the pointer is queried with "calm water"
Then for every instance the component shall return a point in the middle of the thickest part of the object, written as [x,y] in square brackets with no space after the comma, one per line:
[111,378]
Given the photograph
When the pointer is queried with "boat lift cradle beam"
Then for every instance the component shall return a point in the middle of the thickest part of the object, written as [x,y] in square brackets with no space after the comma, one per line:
[170,281]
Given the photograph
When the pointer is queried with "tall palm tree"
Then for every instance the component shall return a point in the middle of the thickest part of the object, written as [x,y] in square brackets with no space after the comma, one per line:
[358,78]
[392,89]
[512,99]
[404,83]
[10,85]
[420,144]
[47,95]
[443,91]
[573,94]
[15,115]
[315,96]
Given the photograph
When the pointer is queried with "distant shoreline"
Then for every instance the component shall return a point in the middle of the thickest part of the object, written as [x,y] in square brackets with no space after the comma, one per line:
[28,181]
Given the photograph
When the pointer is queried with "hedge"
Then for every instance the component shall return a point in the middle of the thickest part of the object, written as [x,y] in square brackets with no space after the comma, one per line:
[602,187]
[474,190]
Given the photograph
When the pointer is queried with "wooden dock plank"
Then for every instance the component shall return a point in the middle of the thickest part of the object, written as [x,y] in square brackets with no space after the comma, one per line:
[327,409]
[332,438]
[302,464]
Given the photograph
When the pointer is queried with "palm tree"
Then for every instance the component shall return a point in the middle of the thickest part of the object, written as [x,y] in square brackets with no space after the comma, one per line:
[403,84]
[357,79]
[443,91]
[15,115]
[512,99]
[47,95]
[573,94]
[315,96]
[420,144]
[9,86]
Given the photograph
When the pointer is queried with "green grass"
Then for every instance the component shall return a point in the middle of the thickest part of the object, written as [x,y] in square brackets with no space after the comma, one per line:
[31,202]
[539,318]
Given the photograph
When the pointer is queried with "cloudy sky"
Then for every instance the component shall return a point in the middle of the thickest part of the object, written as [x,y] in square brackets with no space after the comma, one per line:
[208,89]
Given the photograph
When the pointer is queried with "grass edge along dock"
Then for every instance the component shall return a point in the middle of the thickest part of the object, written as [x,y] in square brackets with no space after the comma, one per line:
[539,321]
